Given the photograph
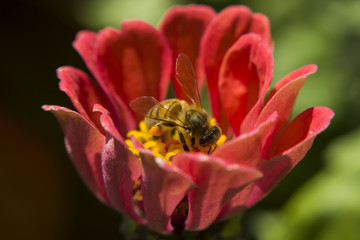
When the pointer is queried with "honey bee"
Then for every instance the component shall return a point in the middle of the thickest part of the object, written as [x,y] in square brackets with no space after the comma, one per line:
[195,129]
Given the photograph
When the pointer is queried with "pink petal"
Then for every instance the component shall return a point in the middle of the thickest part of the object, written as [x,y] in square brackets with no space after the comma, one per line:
[252,193]
[216,182]
[251,117]
[183,26]
[121,169]
[299,73]
[260,24]
[303,129]
[294,142]
[107,123]
[245,75]
[283,100]
[82,91]
[133,62]
[247,148]
[163,187]
[221,33]
[84,144]
[84,44]
[273,170]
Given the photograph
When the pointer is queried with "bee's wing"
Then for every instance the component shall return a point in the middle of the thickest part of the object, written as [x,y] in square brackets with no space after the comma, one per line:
[186,77]
[142,106]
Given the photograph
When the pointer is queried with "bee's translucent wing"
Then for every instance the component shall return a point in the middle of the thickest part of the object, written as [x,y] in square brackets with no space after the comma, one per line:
[186,77]
[142,106]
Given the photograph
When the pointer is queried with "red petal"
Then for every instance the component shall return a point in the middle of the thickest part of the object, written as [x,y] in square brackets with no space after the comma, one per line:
[303,129]
[82,91]
[295,141]
[299,73]
[163,187]
[260,24]
[274,170]
[253,193]
[251,117]
[107,123]
[245,76]
[216,182]
[183,26]
[120,169]
[133,62]
[221,33]
[84,44]
[84,144]
[246,149]
[283,100]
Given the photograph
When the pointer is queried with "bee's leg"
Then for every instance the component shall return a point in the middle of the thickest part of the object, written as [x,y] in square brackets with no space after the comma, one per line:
[193,142]
[182,139]
[213,149]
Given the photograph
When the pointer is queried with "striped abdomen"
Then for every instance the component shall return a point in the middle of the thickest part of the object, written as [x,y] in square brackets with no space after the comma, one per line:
[169,110]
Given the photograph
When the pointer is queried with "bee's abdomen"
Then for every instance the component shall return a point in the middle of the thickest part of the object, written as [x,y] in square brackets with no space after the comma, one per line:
[169,109]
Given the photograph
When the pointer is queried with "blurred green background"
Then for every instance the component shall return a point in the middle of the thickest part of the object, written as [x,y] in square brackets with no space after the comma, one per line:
[42,197]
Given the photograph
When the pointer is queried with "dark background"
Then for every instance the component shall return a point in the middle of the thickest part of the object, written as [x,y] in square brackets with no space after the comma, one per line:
[42,197]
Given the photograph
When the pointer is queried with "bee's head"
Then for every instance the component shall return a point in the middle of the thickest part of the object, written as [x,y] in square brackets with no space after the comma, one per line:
[211,136]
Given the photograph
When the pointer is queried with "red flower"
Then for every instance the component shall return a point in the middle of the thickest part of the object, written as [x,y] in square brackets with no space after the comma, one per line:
[232,51]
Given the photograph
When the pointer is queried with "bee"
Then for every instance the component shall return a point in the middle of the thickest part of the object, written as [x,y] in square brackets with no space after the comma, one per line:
[195,129]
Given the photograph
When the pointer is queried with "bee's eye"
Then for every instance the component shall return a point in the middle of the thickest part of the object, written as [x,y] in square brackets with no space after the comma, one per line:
[210,137]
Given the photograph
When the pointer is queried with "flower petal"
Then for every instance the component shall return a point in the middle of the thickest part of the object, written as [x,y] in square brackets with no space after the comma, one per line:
[216,182]
[221,33]
[84,144]
[163,187]
[133,62]
[183,26]
[283,100]
[274,170]
[82,91]
[247,148]
[107,123]
[260,24]
[302,72]
[245,75]
[294,142]
[302,131]
[252,193]
[121,169]
[84,43]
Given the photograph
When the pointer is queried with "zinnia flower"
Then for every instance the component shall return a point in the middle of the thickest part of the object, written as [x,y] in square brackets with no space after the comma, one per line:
[154,181]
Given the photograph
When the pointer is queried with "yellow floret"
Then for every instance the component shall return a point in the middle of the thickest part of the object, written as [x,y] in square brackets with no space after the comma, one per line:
[132,148]
[143,127]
